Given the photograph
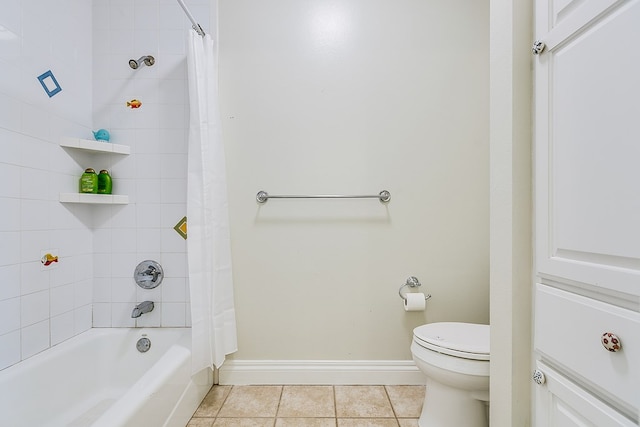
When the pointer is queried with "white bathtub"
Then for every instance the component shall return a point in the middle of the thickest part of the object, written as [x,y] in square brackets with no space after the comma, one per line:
[99,379]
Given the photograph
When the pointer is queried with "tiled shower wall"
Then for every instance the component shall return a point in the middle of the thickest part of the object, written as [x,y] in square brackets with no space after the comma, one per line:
[87,46]
[42,306]
[154,175]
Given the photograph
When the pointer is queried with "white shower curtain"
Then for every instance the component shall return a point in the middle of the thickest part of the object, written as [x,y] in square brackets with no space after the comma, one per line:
[208,242]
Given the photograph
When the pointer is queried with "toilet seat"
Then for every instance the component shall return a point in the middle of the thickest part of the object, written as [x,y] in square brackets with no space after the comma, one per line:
[464,340]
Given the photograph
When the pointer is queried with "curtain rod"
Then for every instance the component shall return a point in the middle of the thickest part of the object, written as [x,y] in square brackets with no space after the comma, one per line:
[197,28]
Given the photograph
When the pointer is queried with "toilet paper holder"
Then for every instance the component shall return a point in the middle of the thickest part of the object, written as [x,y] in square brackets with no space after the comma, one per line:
[412,282]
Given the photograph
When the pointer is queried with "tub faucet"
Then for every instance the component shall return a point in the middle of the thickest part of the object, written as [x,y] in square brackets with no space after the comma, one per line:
[140,309]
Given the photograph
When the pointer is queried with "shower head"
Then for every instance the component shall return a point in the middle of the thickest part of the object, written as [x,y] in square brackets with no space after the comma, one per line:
[147,60]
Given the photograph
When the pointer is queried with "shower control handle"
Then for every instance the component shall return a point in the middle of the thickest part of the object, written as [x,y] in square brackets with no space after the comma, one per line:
[148,274]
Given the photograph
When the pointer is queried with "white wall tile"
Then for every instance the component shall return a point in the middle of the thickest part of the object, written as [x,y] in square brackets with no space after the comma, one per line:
[8,142]
[34,308]
[34,184]
[174,264]
[101,315]
[173,289]
[154,294]
[123,265]
[145,14]
[61,327]
[172,241]
[149,215]
[9,349]
[124,217]
[82,319]
[102,265]
[34,216]
[35,338]
[9,281]
[102,290]
[146,40]
[172,66]
[9,315]
[84,267]
[10,209]
[62,299]
[123,290]
[83,293]
[9,180]
[172,42]
[63,273]
[33,243]
[149,166]
[149,239]
[174,165]
[174,191]
[146,141]
[102,241]
[173,314]
[33,278]
[123,240]
[9,250]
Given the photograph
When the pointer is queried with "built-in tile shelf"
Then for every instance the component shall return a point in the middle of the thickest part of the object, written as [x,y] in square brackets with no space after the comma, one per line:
[96,199]
[95,146]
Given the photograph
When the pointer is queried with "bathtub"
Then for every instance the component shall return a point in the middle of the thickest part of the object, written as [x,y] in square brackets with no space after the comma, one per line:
[100,379]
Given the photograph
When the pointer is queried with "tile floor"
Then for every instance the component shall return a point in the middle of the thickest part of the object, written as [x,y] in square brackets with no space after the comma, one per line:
[310,406]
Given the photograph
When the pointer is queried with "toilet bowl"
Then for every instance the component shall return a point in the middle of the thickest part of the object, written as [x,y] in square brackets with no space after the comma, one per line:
[455,358]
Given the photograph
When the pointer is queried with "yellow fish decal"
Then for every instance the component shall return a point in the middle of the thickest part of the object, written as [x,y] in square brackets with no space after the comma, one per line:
[134,103]
[48,259]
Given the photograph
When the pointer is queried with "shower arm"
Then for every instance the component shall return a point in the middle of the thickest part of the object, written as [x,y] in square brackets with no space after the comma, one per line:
[197,28]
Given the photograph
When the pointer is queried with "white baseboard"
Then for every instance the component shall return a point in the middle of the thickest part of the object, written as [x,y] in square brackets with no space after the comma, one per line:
[318,372]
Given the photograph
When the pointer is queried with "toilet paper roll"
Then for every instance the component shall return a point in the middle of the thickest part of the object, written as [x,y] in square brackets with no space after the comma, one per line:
[414,301]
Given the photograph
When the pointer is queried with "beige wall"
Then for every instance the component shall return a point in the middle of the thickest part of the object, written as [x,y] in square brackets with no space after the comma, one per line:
[354,97]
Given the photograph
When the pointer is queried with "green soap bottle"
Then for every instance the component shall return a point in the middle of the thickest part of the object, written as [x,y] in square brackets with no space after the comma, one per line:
[89,181]
[105,184]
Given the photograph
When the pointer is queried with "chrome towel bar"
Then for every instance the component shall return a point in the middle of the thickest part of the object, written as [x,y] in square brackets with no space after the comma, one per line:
[384,196]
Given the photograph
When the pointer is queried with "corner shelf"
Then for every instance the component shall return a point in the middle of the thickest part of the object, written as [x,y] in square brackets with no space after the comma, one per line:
[95,147]
[94,199]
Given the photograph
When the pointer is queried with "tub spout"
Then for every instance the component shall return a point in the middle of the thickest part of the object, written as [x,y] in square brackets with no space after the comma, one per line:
[140,309]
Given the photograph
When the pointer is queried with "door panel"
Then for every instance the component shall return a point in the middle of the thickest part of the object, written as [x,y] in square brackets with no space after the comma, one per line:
[588,149]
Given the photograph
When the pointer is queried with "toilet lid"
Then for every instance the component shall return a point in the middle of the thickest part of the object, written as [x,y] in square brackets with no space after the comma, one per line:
[467,340]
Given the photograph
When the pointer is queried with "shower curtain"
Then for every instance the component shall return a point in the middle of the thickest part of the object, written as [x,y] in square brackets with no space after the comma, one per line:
[213,324]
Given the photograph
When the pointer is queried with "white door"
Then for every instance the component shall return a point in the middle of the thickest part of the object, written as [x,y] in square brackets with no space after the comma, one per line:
[587,199]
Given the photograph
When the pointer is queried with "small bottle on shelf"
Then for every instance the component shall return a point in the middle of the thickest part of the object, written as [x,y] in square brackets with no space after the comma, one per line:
[89,181]
[105,185]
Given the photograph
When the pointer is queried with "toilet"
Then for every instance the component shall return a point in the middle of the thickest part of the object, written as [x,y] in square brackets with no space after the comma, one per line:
[455,358]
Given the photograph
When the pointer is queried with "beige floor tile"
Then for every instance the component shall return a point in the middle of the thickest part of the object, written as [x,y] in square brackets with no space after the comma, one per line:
[306,422]
[406,400]
[244,422]
[362,401]
[201,422]
[213,401]
[408,422]
[367,422]
[307,401]
[251,401]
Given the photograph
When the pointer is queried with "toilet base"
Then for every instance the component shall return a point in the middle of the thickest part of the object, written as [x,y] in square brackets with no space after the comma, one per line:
[449,407]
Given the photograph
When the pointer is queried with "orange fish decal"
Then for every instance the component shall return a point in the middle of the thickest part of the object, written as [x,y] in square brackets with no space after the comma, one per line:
[48,259]
[134,103]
